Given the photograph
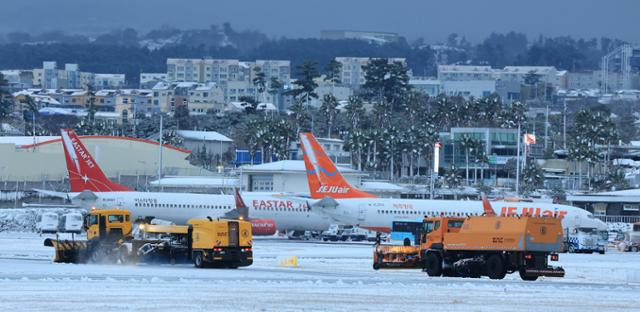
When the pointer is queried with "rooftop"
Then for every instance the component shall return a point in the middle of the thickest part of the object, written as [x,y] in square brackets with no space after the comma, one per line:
[203,135]
[288,166]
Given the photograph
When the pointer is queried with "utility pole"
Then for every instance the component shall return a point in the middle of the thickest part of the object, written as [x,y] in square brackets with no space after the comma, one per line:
[518,164]
[564,126]
[160,156]
[546,128]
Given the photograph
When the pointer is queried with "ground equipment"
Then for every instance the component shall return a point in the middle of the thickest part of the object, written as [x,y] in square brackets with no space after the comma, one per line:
[112,237]
[477,246]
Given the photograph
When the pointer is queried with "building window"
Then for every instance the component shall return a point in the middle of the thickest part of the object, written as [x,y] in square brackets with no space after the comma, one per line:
[261,183]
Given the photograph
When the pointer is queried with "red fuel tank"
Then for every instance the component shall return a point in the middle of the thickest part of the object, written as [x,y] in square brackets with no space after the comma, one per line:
[263,227]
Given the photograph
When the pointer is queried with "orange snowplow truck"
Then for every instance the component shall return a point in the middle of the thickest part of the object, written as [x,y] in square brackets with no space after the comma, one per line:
[480,246]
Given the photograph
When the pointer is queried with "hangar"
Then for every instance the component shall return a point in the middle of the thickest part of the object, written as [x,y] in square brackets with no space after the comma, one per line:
[38,162]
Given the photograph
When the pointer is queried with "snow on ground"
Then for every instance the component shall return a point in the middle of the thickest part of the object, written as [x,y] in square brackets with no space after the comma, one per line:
[330,277]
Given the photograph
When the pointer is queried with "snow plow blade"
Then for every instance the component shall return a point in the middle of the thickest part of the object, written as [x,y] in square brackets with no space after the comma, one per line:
[396,257]
[551,272]
[67,251]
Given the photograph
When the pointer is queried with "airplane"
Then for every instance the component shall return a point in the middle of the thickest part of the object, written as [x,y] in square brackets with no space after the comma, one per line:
[349,205]
[90,187]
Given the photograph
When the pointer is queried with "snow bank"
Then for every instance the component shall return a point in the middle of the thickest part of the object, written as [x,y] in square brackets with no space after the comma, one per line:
[25,219]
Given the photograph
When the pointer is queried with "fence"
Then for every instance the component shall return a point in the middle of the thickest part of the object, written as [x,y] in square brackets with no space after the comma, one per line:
[623,219]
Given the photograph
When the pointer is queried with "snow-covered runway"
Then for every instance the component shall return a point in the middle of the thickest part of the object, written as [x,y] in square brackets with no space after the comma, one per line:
[330,277]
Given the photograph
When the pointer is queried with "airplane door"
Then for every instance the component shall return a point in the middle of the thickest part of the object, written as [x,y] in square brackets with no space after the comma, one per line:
[362,212]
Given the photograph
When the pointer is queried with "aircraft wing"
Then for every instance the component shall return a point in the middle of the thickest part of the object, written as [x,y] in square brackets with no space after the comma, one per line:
[53,193]
[326,202]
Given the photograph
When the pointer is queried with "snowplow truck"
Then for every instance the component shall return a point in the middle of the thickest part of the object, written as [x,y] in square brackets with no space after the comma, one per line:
[478,246]
[113,238]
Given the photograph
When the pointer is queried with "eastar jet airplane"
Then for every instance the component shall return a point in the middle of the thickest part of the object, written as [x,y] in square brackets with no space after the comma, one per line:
[90,187]
[349,205]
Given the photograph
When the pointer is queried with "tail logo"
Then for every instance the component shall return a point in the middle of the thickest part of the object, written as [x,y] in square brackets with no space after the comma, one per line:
[333,189]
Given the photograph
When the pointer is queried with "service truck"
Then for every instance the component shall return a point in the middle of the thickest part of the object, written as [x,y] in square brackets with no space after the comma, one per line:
[476,246]
[113,238]
[585,240]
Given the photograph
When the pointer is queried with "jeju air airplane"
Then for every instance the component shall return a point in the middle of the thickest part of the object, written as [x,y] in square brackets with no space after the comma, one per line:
[345,203]
[90,187]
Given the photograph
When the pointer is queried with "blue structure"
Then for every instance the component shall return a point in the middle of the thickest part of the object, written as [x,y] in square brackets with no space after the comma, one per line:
[406,233]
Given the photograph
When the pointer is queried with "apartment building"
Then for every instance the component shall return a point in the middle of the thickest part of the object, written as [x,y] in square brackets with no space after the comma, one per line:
[198,97]
[131,102]
[148,80]
[352,69]
[224,71]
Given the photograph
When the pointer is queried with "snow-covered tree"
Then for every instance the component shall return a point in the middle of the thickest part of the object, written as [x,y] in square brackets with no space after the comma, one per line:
[532,178]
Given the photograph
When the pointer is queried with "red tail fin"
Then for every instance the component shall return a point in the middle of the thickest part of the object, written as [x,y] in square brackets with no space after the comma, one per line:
[323,176]
[84,172]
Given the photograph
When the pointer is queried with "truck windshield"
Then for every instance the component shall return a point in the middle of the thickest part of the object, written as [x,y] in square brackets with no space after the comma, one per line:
[92,219]
[604,235]
[428,226]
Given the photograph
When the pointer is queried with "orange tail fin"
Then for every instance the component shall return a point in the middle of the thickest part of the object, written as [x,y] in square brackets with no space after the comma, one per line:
[486,205]
[323,176]
[84,172]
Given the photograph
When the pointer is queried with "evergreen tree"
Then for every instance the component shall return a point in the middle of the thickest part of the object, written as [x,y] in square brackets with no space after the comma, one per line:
[260,81]
[305,85]
[532,178]
[6,101]
[275,87]
[332,72]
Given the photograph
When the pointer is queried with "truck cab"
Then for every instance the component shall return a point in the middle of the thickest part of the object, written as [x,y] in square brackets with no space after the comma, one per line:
[434,229]
[104,223]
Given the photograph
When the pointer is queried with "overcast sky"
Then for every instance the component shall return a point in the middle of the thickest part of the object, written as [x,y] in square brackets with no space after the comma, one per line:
[432,20]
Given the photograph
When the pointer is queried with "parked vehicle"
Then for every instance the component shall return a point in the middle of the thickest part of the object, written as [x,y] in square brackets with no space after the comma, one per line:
[585,240]
[48,222]
[71,223]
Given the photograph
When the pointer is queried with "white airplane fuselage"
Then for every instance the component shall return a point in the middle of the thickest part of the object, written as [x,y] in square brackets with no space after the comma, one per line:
[288,212]
[379,213]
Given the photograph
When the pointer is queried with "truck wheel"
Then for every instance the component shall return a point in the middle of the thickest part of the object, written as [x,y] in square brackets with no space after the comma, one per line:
[601,252]
[495,267]
[433,264]
[526,277]
[198,260]
[572,249]
[634,249]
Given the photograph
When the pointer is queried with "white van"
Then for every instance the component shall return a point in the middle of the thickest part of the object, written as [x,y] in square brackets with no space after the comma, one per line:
[48,222]
[71,222]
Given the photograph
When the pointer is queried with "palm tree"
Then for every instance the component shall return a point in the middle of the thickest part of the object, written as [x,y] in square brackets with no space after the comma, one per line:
[468,143]
[328,109]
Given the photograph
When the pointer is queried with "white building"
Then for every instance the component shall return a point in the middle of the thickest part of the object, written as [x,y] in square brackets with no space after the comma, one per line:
[285,176]
[471,88]
[430,87]
[352,72]
[223,71]
[370,36]
[109,81]
[148,80]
